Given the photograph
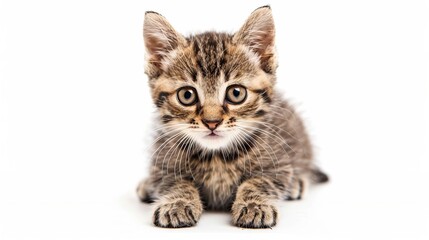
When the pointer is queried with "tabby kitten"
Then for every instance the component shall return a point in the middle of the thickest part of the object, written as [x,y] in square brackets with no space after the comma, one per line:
[226,140]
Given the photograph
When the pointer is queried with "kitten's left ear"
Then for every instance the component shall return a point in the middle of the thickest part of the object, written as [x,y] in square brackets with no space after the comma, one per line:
[258,34]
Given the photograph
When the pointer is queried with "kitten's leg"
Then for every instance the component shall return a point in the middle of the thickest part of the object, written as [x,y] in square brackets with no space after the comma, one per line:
[253,206]
[179,205]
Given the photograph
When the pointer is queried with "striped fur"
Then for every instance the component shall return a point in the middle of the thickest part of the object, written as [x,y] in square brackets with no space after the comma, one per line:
[265,154]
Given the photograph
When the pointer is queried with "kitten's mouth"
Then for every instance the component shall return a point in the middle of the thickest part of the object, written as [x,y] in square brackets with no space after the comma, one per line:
[212,135]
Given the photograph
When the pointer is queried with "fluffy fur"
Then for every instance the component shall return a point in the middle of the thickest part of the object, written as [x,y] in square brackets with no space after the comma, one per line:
[259,151]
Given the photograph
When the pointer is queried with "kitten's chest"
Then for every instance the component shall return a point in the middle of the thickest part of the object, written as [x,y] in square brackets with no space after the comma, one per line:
[218,181]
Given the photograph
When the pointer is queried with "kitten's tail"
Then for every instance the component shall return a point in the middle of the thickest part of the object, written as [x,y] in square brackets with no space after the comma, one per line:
[317,176]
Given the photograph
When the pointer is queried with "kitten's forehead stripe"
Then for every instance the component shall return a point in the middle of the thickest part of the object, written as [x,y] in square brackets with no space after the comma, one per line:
[210,52]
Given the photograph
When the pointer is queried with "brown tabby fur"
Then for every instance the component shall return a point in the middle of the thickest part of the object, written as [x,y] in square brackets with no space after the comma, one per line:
[272,160]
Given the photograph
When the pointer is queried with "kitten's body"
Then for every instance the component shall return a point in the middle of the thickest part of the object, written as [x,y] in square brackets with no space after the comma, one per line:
[257,152]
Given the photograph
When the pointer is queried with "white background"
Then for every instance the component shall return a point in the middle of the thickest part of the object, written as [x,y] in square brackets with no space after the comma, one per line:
[75,116]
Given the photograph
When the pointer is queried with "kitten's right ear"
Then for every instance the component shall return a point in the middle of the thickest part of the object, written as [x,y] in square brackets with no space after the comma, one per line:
[160,38]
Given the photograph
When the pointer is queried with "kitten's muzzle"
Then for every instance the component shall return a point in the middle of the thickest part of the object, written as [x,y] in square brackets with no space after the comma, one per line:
[212,124]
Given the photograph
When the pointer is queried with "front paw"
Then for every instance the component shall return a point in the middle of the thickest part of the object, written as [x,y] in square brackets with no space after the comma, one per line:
[177,214]
[254,215]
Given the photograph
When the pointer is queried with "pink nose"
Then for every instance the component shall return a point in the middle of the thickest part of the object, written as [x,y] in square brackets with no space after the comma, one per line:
[212,124]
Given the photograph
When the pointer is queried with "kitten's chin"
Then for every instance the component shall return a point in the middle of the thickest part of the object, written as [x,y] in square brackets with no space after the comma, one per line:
[213,141]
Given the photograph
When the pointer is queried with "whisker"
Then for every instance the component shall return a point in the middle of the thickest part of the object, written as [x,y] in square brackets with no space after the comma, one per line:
[240,145]
[279,137]
[274,140]
[163,145]
[271,153]
[175,129]
[172,154]
[245,142]
[165,155]
[180,155]
[161,137]
[188,157]
[270,125]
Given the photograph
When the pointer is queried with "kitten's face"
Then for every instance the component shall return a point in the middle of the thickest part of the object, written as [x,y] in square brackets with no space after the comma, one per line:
[211,89]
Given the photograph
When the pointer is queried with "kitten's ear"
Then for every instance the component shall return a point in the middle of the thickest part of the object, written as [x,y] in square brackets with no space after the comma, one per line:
[258,33]
[159,37]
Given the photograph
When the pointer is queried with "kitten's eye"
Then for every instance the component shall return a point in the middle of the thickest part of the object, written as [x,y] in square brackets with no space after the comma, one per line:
[187,96]
[236,94]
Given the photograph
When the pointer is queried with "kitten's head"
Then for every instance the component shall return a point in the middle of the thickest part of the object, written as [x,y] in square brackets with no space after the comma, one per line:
[211,89]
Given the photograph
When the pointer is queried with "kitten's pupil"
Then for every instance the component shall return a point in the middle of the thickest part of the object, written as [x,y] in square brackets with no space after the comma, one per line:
[188,94]
[236,92]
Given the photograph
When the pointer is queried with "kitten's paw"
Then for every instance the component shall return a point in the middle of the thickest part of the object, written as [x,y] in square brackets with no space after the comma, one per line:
[254,215]
[297,190]
[177,214]
[142,192]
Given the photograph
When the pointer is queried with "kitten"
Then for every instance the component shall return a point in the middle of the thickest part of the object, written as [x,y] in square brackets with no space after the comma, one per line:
[227,140]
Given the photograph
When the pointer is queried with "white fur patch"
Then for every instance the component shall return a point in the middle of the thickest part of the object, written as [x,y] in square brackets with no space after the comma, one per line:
[224,139]
[251,55]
